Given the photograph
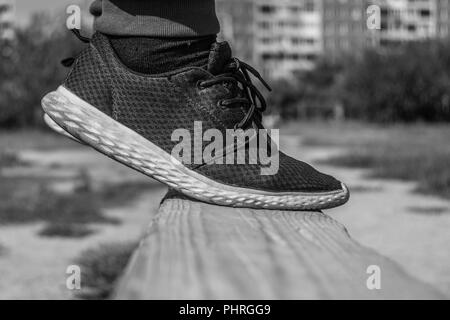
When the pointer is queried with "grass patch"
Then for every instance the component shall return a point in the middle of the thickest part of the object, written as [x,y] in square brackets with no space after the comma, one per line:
[10,159]
[31,200]
[65,230]
[102,267]
[122,194]
[363,188]
[79,207]
[431,171]
[419,153]
[429,210]
[28,201]
[34,139]
[25,200]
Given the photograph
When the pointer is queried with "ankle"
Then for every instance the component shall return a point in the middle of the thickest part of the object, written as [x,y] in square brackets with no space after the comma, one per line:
[159,55]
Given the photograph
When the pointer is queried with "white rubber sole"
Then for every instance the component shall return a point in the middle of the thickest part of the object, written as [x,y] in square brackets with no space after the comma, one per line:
[77,119]
[55,127]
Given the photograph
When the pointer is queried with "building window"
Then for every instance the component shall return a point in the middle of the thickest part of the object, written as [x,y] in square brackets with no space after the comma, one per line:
[298,41]
[356,14]
[311,57]
[343,29]
[294,9]
[309,6]
[268,9]
[425,13]
[264,25]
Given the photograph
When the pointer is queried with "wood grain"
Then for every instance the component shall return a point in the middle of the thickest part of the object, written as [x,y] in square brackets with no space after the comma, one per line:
[194,250]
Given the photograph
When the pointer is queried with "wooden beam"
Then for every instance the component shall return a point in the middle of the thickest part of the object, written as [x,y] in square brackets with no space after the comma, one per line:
[194,250]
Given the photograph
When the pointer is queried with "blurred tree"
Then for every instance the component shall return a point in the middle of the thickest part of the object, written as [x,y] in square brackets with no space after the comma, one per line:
[5,58]
[3,9]
[319,97]
[33,69]
[284,98]
[308,94]
[410,83]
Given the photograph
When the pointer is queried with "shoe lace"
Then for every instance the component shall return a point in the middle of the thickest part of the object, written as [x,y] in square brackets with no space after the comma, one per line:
[68,62]
[238,73]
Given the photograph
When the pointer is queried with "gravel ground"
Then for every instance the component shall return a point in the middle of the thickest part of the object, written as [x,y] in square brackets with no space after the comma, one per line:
[34,267]
[385,215]
[409,228]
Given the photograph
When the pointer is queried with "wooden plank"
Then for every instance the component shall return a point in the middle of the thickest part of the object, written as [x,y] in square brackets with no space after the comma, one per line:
[194,250]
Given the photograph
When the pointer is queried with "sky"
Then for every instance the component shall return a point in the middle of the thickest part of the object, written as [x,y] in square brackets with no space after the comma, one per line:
[25,8]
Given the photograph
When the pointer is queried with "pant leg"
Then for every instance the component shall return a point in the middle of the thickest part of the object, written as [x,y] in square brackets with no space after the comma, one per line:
[156,18]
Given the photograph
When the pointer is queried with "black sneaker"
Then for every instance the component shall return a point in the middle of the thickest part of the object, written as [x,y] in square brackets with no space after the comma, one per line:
[131,117]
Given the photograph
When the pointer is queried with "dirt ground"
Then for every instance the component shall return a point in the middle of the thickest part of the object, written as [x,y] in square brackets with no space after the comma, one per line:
[34,267]
[410,228]
[385,215]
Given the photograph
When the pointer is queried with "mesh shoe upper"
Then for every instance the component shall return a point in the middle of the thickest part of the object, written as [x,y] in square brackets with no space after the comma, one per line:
[89,80]
[156,105]
[292,176]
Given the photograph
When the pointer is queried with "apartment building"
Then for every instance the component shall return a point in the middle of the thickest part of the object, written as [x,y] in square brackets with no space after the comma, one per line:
[279,37]
[289,35]
[345,27]
[284,36]
[7,16]
[236,21]
[406,20]
[443,18]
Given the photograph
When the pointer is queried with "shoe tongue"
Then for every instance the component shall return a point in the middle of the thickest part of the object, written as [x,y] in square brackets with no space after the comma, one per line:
[219,57]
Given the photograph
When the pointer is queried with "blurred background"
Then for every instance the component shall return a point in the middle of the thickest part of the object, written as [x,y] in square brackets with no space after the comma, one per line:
[361,89]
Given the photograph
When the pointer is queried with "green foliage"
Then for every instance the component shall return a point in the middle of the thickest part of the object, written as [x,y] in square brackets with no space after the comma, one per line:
[410,83]
[30,68]
[102,267]
[66,230]
[407,83]
[10,159]
[28,201]
[285,97]
[310,94]
[429,169]
[122,194]
[419,153]
[3,9]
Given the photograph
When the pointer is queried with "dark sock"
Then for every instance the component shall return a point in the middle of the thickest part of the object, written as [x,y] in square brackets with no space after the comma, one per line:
[156,18]
[159,55]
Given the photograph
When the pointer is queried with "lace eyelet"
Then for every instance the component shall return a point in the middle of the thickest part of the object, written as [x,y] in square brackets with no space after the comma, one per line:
[221,104]
[199,85]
